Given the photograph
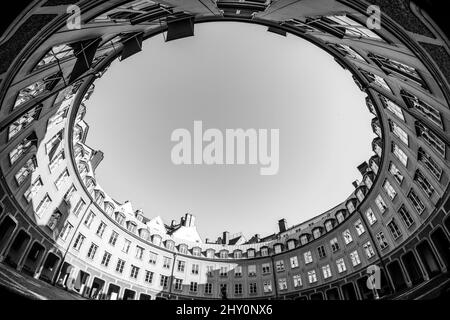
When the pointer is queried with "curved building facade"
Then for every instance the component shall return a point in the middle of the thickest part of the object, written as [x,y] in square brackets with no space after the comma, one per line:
[58,225]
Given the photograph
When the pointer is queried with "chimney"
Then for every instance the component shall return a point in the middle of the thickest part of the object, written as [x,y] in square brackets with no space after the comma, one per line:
[173,223]
[282,225]
[96,158]
[207,240]
[226,237]
[363,167]
[188,220]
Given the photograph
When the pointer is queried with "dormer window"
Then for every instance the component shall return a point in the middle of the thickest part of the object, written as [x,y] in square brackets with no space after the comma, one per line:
[237,254]
[223,254]
[196,252]
[109,209]
[317,232]
[304,239]
[120,218]
[156,239]
[250,253]
[170,245]
[277,248]
[328,225]
[132,227]
[351,205]
[264,251]
[291,244]
[340,216]
[210,253]
[183,249]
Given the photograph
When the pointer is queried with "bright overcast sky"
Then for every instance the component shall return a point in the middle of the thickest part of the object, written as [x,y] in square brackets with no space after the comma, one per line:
[230,75]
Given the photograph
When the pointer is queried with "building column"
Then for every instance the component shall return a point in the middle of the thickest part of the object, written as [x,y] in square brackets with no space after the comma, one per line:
[426,277]
[21,261]
[405,273]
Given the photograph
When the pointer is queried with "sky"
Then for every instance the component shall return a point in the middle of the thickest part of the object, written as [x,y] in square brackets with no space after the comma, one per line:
[230,75]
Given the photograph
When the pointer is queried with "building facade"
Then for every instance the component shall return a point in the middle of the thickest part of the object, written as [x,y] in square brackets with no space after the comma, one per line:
[57,223]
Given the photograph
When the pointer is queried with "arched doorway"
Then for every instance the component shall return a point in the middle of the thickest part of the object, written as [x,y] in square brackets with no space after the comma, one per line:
[64,275]
[442,245]
[428,259]
[144,296]
[348,291]
[129,294]
[17,249]
[113,292]
[366,293]
[49,267]
[33,258]
[7,227]
[97,289]
[333,294]
[396,273]
[412,267]
[317,296]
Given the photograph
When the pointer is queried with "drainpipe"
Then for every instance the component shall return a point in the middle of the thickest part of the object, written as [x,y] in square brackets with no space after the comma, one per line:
[171,274]
[71,241]
[391,285]
[274,277]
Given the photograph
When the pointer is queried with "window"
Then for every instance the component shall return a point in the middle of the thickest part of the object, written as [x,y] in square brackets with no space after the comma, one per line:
[430,164]
[88,221]
[416,202]
[398,176]
[23,121]
[26,170]
[252,270]
[347,236]
[252,288]
[238,289]
[321,252]
[264,251]
[223,271]
[267,286]
[291,244]
[354,257]
[304,239]
[348,51]
[132,227]
[134,272]
[69,194]
[193,287]
[294,262]
[427,110]
[58,117]
[223,254]
[389,189]
[148,276]
[106,258]
[312,276]
[153,257]
[120,265]
[62,178]
[334,244]
[126,246]
[398,69]
[277,248]
[399,132]
[65,231]
[209,271]
[381,240]
[308,257]
[279,264]
[251,253]
[400,154]
[195,269]
[424,184]
[113,238]
[166,262]
[317,233]
[368,249]
[208,288]
[178,285]
[181,265]
[238,271]
[120,218]
[406,216]
[376,80]
[78,242]
[392,107]
[92,251]
[79,207]
[265,268]
[35,89]
[43,205]
[394,229]
[139,252]
[163,281]
[340,263]
[353,28]
[297,280]
[20,149]
[371,216]
[237,254]
[326,270]
[33,189]
[431,139]
[282,283]
[53,143]
[183,249]
[359,227]
[55,54]
[56,161]
[380,204]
